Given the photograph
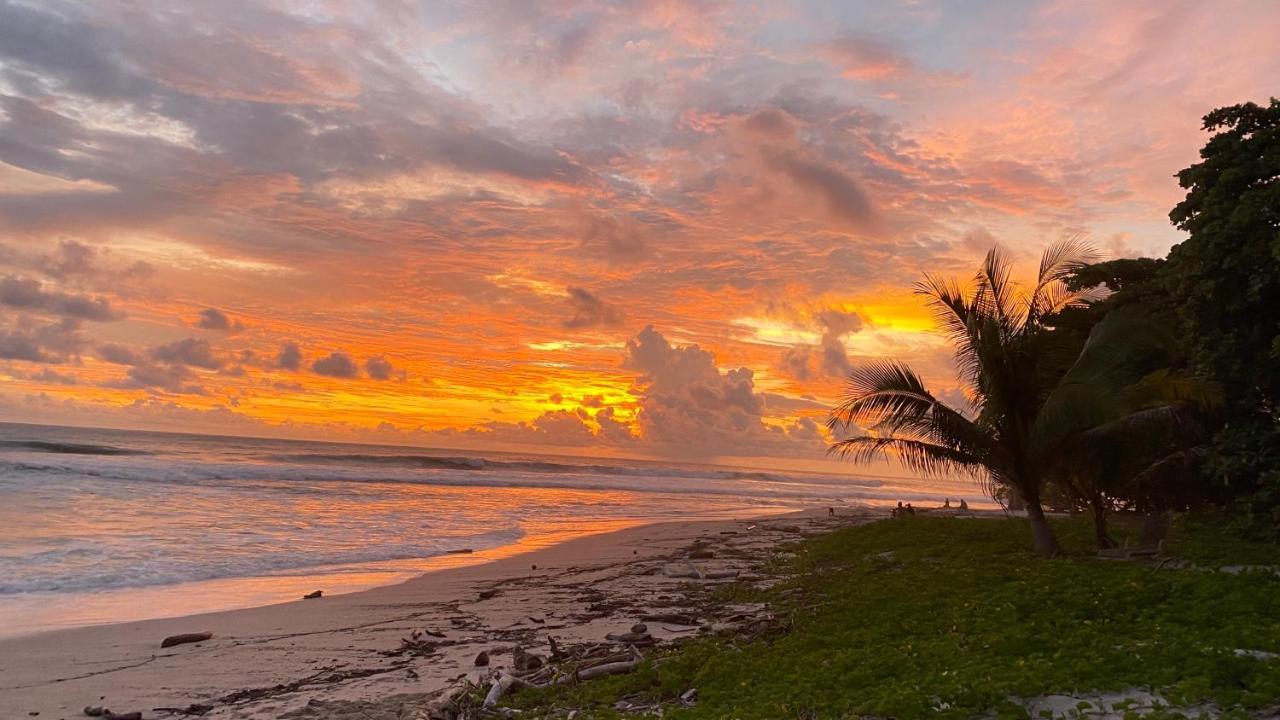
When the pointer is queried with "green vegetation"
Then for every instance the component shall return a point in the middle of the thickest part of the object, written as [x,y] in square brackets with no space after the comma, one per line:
[1035,418]
[948,617]
[1135,384]
[1160,394]
[1224,284]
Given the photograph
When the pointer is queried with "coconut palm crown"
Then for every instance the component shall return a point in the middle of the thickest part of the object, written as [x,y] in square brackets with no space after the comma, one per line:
[1025,409]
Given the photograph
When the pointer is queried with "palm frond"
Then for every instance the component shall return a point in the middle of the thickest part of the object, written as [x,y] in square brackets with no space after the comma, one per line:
[960,320]
[1056,297]
[947,300]
[1057,262]
[1163,387]
[996,292]
[921,457]
[1063,257]
[1111,379]
[889,399]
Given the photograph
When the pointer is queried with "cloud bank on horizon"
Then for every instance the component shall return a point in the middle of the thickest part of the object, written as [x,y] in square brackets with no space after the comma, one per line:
[649,226]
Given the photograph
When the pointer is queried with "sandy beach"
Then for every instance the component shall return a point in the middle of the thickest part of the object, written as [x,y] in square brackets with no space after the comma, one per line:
[356,655]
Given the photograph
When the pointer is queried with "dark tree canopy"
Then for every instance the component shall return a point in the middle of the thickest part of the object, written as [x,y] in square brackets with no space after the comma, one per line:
[1225,282]
[1226,275]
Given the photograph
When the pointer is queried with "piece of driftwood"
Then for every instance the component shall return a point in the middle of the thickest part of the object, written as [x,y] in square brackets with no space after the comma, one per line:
[192,709]
[613,668]
[524,662]
[500,687]
[693,571]
[313,595]
[185,638]
[445,705]
[643,638]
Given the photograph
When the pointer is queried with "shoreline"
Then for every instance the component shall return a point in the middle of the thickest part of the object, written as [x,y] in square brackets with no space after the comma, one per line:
[267,660]
[186,599]
[251,592]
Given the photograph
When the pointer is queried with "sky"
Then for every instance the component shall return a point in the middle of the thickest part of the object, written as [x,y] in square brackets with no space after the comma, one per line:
[646,227]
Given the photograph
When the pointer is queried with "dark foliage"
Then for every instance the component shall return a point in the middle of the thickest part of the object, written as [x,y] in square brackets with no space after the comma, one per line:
[1225,284]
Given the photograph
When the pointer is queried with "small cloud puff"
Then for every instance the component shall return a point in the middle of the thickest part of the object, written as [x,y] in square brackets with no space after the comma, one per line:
[215,319]
[337,365]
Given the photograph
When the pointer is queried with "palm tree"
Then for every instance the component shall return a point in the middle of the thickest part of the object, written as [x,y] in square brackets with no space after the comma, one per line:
[1023,417]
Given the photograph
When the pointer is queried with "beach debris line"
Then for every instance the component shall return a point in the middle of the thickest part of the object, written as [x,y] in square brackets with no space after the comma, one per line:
[484,689]
[192,709]
[105,714]
[502,646]
[183,639]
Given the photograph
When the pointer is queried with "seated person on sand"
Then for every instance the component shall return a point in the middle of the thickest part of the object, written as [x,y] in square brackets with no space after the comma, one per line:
[910,510]
[899,511]
[964,505]
[946,504]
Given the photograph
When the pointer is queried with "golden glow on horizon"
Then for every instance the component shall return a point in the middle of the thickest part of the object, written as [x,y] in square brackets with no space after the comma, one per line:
[668,228]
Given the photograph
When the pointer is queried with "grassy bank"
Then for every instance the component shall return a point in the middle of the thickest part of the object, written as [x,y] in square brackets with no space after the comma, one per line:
[942,617]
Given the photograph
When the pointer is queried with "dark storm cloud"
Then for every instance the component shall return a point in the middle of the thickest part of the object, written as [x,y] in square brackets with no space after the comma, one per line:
[29,294]
[589,310]
[621,237]
[305,109]
[119,354]
[40,341]
[215,319]
[843,195]
[17,345]
[290,356]
[770,122]
[50,376]
[336,364]
[796,363]
[72,259]
[65,51]
[379,368]
[195,352]
[177,379]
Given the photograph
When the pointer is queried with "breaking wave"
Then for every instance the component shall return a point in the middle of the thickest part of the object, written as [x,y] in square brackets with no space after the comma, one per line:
[59,448]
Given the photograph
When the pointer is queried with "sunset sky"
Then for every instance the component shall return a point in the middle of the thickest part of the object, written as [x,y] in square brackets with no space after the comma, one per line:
[646,227]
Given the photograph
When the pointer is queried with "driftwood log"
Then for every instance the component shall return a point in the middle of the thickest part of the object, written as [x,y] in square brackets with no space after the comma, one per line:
[505,682]
[185,638]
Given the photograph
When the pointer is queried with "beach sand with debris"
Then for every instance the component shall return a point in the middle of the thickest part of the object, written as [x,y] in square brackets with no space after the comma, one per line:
[399,651]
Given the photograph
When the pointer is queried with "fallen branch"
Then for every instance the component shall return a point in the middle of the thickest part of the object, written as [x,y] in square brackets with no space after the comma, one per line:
[185,638]
[613,668]
[500,687]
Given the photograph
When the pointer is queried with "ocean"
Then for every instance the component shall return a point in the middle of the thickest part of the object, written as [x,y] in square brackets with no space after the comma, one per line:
[104,526]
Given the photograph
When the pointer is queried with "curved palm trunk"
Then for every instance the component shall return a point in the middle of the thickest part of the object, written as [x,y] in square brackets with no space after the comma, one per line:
[1042,535]
[1098,505]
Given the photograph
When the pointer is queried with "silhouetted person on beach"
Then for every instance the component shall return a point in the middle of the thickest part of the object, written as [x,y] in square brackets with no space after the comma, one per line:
[946,504]
[899,511]
[910,510]
[963,505]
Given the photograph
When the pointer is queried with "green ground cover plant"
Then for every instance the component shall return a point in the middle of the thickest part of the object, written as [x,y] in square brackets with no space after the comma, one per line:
[949,617]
